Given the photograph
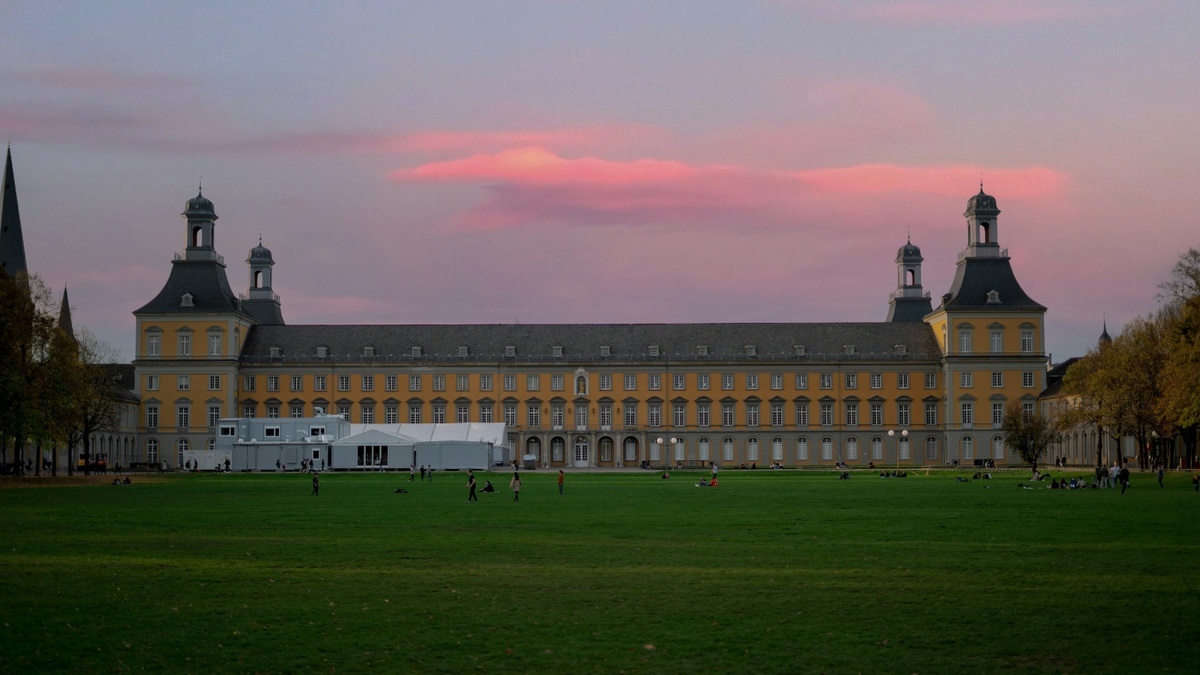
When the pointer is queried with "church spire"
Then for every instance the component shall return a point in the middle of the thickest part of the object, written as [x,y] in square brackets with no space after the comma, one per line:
[12,242]
[64,316]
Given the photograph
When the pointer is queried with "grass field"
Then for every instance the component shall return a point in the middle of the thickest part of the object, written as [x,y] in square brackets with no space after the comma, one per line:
[771,572]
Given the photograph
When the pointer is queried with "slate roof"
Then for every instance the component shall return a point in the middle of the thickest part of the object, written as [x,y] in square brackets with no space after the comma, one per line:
[911,310]
[536,342]
[205,280]
[975,277]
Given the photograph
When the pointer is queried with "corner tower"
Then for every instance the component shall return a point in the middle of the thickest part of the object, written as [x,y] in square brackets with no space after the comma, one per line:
[909,303]
[992,336]
[261,302]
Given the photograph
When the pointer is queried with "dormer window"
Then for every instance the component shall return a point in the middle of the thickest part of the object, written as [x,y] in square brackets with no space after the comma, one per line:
[463,351]
[605,350]
[557,351]
[901,350]
[993,297]
[322,352]
[751,350]
[510,351]
[702,350]
[653,351]
[416,352]
[369,352]
[848,349]
[276,352]
[801,350]
[187,300]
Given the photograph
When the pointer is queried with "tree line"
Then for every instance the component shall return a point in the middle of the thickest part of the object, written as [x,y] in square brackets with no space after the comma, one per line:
[56,388]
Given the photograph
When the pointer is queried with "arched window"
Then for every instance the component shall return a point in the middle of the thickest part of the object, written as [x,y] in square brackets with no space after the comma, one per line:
[606,449]
[680,451]
[702,448]
[727,449]
[631,449]
[152,450]
[826,449]
[183,446]
[852,449]
[877,448]
[905,453]
[997,447]
[968,448]
[802,449]
[931,448]
[557,447]
[534,447]
[777,449]
[752,449]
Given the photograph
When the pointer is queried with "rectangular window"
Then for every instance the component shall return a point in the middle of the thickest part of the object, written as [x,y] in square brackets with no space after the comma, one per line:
[462,413]
[903,414]
[801,380]
[184,382]
[271,432]
[654,413]
[776,414]
[151,383]
[533,415]
[801,414]
[462,383]
[153,345]
[297,410]
[151,417]
[368,383]
[272,383]
[931,414]
[485,383]
[485,413]
[214,382]
[630,382]
[968,413]
[318,383]
[827,414]
[630,416]
[368,414]
[273,411]
[727,381]
[877,414]
[997,342]
[248,410]
[1027,379]
[826,381]
[997,413]
[297,382]
[185,344]
[902,380]
[532,382]
[931,380]
[183,417]
[439,383]
[703,414]
[776,381]
[678,382]
[965,342]
[581,417]
[605,415]
[214,345]
[702,382]
[510,414]
[727,417]
[605,382]
[389,383]
[510,383]
[439,413]
[752,414]
[965,380]
[997,379]
[851,380]
[391,414]
[751,381]
[679,415]
[414,383]
[655,382]
[1027,341]
[877,380]
[556,383]
[851,414]
[1027,411]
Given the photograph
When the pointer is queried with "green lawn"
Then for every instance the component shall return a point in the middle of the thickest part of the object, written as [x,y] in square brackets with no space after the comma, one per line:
[771,572]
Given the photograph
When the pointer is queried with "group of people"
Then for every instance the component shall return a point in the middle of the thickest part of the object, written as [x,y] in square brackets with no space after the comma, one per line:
[412,473]
[514,485]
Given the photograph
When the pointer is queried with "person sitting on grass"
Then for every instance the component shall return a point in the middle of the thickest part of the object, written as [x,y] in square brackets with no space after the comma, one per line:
[665,475]
[703,483]
[488,487]
[714,483]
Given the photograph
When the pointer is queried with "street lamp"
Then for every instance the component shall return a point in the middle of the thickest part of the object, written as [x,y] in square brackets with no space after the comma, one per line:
[663,449]
[903,437]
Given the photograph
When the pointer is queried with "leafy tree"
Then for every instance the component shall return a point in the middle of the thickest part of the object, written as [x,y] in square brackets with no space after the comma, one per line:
[26,335]
[1028,434]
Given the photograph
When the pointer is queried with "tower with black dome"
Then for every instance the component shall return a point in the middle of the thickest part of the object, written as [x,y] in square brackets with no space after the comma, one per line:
[261,302]
[909,302]
[992,336]
[189,338]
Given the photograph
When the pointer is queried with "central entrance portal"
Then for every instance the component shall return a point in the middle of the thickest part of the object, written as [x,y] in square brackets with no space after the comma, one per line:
[581,451]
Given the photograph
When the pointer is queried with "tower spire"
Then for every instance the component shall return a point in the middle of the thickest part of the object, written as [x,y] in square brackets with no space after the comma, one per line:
[64,316]
[12,242]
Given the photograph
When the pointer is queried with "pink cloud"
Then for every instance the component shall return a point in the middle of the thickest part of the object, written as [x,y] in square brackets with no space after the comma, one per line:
[981,12]
[533,185]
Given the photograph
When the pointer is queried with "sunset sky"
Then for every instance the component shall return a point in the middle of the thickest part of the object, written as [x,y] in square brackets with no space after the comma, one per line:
[617,161]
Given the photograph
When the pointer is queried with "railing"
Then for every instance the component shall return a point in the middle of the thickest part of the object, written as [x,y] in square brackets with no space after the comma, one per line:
[200,254]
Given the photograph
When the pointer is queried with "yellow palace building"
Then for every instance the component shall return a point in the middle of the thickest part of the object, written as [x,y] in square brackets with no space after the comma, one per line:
[925,387]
